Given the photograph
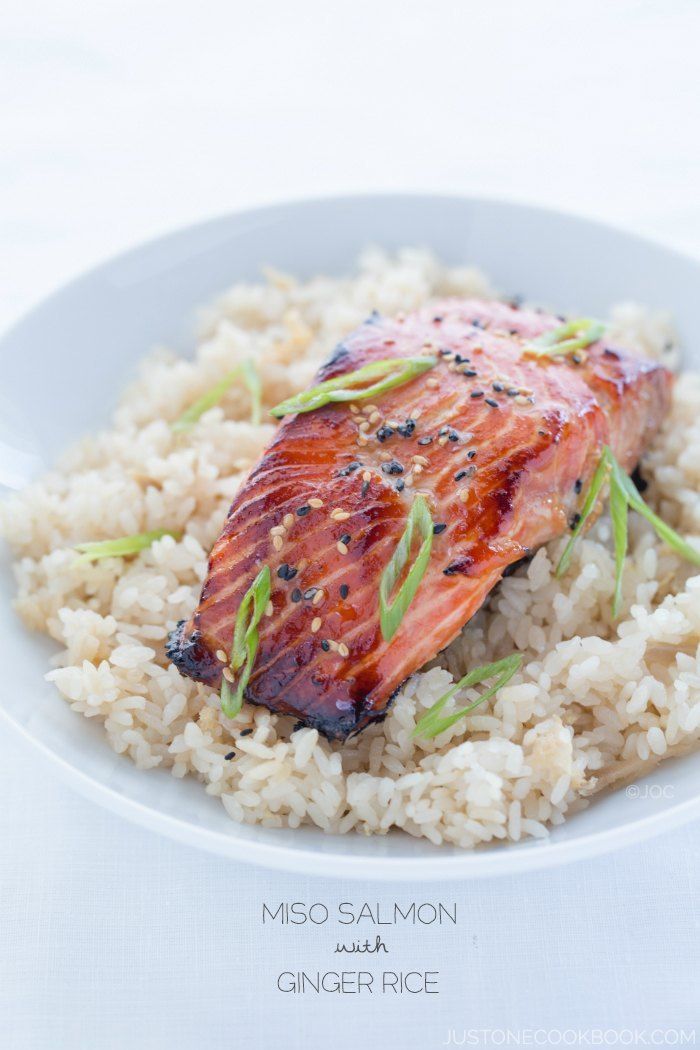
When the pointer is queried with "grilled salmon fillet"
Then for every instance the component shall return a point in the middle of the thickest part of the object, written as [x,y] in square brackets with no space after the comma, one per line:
[500,443]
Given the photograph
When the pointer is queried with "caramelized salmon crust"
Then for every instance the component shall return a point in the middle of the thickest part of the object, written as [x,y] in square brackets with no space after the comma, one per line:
[500,442]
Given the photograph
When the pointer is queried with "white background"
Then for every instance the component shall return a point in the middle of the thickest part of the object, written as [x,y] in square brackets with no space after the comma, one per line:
[120,120]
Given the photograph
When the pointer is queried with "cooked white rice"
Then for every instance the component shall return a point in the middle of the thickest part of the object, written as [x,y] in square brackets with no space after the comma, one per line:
[595,701]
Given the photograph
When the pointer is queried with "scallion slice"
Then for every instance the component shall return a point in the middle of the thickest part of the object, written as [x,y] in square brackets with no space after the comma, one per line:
[618,516]
[623,495]
[349,387]
[245,371]
[244,646]
[431,724]
[122,547]
[601,473]
[574,335]
[391,613]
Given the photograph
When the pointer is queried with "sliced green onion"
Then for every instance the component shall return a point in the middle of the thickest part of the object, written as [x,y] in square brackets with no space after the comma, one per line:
[431,725]
[669,535]
[348,387]
[618,516]
[244,646]
[391,613]
[574,335]
[122,547]
[245,371]
[590,501]
[623,494]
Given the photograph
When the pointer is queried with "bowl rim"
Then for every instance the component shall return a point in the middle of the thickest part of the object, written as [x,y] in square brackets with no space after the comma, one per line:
[529,855]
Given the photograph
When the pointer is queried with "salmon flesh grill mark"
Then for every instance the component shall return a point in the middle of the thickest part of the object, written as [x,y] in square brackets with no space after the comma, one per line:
[500,443]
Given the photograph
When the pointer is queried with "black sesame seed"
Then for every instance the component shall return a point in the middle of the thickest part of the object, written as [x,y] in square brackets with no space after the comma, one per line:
[576,358]
[442,431]
[445,353]
[400,485]
[308,594]
[325,646]
[344,590]
[477,393]
[477,323]
[460,474]
[245,732]
[286,572]
[513,331]
[407,428]
[345,538]
[303,511]
[365,488]
[470,373]
[440,527]
[641,484]
[575,519]
[351,467]
[451,570]
[611,353]
[471,453]
[578,485]
[384,433]
[512,391]
[490,401]
[498,387]
[392,467]
[425,441]
[296,595]
[461,360]
[453,436]
[230,755]
[542,433]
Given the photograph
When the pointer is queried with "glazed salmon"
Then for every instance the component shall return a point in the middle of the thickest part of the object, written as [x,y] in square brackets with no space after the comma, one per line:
[501,444]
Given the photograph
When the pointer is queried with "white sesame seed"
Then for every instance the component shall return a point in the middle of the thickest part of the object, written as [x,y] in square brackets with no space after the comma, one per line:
[417,469]
[316,624]
[315,502]
[520,400]
[432,383]
[442,440]
[288,521]
[463,495]
[228,674]
[277,543]
[318,596]
[422,460]
[385,456]
[366,475]
[221,655]
[341,547]
[362,439]
[371,408]
[375,417]
[409,481]
[277,530]
[343,649]
[269,609]
[354,409]
[339,514]
[364,425]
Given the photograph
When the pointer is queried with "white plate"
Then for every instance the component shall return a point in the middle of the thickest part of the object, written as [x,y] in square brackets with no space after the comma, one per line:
[64,364]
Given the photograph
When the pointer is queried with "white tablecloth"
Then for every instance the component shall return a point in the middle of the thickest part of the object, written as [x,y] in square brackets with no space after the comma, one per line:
[119,120]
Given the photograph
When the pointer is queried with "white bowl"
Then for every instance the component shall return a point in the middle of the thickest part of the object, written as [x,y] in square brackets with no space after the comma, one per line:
[63,365]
